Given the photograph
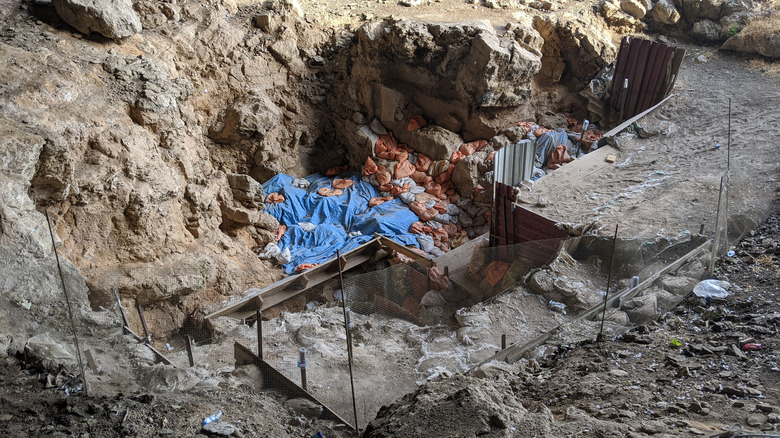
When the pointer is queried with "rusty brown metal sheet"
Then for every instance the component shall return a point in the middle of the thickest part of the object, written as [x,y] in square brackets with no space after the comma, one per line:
[651,69]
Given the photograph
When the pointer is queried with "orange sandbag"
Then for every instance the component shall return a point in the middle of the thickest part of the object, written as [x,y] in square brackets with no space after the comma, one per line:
[433,188]
[423,162]
[404,169]
[440,207]
[438,279]
[396,190]
[420,178]
[453,199]
[472,147]
[456,157]
[370,167]
[325,191]
[274,198]
[386,146]
[450,191]
[495,272]
[401,155]
[589,138]
[416,122]
[304,266]
[445,176]
[479,188]
[491,156]
[451,229]
[280,232]
[526,125]
[540,131]
[416,228]
[559,157]
[425,214]
[342,183]
[383,176]
[333,171]
[373,202]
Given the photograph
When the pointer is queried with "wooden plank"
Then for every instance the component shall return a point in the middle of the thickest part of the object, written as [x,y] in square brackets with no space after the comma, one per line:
[293,285]
[616,130]
[273,379]
[516,352]
[395,246]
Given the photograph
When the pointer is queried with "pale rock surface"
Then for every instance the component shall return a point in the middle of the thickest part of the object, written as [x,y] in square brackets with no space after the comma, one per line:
[110,18]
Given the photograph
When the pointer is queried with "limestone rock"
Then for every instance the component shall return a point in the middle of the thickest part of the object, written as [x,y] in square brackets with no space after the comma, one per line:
[110,18]
[697,10]
[767,44]
[251,117]
[666,300]
[581,45]
[528,38]
[664,12]
[707,29]
[247,190]
[633,8]
[641,309]
[435,142]
[677,285]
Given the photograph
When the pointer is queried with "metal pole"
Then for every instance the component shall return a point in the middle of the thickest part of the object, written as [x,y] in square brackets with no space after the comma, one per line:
[728,142]
[503,341]
[302,366]
[349,338]
[188,343]
[600,337]
[67,301]
[259,323]
[143,323]
[716,241]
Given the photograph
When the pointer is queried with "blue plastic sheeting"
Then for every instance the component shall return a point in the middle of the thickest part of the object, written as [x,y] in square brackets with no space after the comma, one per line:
[335,217]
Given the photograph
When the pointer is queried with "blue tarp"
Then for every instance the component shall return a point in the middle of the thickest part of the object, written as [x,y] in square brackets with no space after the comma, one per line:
[335,217]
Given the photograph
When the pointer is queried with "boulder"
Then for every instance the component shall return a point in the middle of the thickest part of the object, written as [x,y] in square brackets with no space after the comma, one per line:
[250,117]
[633,8]
[666,300]
[111,18]
[677,285]
[766,44]
[305,407]
[664,12]
[641,309]
[573,46]
[697,10]
[435,142]
[707,29]
[49,353]
[247,190]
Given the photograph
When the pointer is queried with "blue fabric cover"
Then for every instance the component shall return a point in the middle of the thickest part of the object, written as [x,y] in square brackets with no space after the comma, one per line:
[335,217]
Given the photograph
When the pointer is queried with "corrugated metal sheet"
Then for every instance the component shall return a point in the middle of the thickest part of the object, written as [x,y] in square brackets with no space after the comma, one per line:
[514,163]
[645,72]
[512,224]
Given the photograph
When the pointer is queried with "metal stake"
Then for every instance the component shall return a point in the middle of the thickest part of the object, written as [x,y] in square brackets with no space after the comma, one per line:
[148,336]
[67,301]
[188,343]
[349,337]
[503,341]
[302,366]
[259,323]
[600,337]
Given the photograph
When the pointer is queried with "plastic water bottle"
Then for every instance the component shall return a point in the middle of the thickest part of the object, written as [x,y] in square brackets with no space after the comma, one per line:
[213,417]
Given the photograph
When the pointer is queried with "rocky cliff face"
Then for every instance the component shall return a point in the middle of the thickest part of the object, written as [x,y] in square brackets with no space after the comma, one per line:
[148,153]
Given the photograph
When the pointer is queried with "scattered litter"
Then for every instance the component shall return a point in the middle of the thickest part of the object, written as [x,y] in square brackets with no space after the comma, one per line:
[752,347]
[557,306]
[611,158]
[270,251]
[168,347]
[717,146]
[213,417]
[710,289]
[731,253]
[284,256]
[307,226]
